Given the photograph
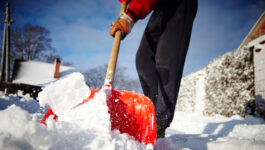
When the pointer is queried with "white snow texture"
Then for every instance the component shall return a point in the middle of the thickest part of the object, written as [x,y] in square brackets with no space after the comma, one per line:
[88,127]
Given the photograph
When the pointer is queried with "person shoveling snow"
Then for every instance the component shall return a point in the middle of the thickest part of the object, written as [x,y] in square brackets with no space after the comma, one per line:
[130,112]
[162,51]
[160,77]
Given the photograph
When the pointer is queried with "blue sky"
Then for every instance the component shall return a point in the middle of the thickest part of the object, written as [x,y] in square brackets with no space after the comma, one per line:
[80,29]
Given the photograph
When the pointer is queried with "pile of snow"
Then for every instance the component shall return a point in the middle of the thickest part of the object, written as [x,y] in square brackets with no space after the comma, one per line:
[88,127]
[64,94]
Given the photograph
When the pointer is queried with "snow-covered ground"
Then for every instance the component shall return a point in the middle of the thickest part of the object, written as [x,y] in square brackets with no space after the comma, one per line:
[89,128]
[197,132]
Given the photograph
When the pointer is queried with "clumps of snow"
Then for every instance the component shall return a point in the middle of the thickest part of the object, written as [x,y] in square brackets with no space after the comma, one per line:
[21,130]
[24,101]
[18,118]
[64,94]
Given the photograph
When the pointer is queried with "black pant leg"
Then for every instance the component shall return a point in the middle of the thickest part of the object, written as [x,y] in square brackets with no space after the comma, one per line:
[145,57]
[170,58]
[161,55]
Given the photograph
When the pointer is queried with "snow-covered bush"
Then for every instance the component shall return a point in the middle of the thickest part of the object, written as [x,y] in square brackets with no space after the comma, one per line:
[228,86]
[229,83]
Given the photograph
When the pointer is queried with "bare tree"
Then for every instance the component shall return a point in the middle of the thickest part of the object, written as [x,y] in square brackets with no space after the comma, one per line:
[32,42]
[67,63]
[48,56]
[132,85]
[95,79]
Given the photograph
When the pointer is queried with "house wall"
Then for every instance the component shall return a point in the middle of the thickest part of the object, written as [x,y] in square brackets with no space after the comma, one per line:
[258,48]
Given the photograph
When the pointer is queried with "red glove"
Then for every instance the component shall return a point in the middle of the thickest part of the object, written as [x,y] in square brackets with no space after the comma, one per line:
[124,24]
[127,1]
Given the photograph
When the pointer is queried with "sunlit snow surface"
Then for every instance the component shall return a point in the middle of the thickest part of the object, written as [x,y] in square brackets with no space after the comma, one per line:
[88,127]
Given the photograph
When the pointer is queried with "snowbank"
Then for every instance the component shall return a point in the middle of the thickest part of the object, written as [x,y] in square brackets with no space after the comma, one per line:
[87,127]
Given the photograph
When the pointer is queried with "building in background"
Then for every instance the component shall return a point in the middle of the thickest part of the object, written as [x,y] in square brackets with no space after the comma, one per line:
[31,76]
[231,83]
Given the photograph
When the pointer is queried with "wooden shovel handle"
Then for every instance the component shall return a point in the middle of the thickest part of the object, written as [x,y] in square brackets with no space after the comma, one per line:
[114,53]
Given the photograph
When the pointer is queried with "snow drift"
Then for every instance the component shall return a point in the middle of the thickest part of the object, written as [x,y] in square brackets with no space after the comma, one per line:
[87,127]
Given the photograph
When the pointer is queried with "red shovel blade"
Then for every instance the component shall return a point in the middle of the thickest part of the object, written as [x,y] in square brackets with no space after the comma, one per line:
[130,113]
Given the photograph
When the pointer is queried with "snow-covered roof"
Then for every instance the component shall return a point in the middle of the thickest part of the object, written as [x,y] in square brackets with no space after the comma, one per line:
[39,73]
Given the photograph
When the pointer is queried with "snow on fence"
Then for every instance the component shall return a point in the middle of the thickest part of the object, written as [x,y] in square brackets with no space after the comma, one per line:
[225,86]
[192,92]
[186,96]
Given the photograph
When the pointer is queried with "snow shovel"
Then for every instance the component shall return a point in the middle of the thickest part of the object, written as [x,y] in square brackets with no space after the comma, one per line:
[130,112]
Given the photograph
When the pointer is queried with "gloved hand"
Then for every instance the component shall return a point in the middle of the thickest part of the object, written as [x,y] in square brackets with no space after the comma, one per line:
[124,24]
[127,1]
